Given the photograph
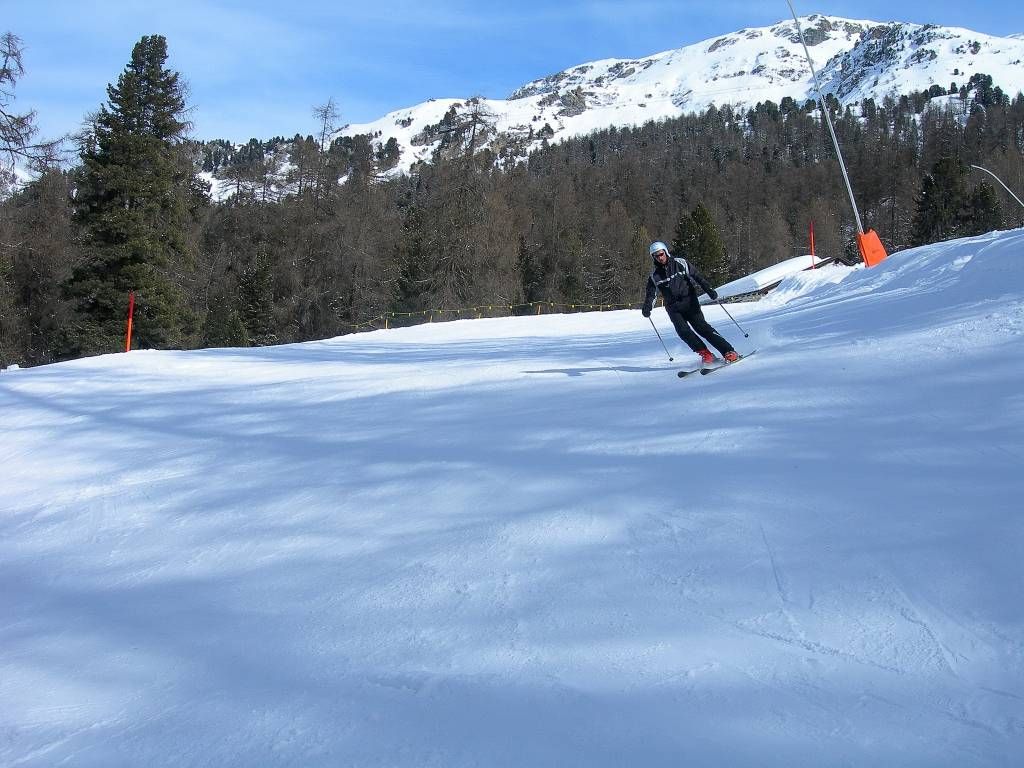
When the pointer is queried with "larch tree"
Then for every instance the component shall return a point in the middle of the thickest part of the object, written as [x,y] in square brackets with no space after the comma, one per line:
[18,132]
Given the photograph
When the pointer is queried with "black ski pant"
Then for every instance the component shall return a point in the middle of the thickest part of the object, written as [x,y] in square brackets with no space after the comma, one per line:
[687,317]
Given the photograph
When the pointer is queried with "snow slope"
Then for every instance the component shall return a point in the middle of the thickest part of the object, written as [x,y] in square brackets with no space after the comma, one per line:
[525,542]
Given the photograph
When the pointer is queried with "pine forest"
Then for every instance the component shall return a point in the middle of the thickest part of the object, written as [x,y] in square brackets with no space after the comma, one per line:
[348,246]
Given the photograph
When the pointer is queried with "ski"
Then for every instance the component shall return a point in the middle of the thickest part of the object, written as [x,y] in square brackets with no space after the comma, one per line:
[706,371]
[684,373]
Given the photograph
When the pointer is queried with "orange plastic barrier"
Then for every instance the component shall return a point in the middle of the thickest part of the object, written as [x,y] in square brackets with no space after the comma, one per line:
[871,248]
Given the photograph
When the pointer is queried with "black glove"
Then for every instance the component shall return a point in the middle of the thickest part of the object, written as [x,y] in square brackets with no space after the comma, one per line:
[713,294]
[646,311]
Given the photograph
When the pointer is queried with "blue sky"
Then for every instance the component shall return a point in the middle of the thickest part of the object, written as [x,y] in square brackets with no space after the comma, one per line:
[258,68]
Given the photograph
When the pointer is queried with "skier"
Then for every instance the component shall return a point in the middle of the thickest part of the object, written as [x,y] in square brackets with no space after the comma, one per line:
[677,280]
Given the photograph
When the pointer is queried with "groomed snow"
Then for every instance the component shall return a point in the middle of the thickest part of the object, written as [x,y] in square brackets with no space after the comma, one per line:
[525,542]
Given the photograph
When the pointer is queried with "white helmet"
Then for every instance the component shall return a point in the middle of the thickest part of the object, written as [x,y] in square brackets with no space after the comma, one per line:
[657,247]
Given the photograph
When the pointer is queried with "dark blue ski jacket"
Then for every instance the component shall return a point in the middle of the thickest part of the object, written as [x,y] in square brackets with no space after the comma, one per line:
[677,282]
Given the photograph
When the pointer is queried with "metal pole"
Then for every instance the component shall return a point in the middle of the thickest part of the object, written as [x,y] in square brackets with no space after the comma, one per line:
[660,339]
[745,334]
[828,120]
[986,170]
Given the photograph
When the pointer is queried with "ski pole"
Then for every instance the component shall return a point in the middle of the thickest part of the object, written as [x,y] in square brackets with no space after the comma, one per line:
[745,334]
[661,339]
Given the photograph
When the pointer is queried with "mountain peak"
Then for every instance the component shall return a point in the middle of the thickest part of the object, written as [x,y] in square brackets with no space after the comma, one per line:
[855,59]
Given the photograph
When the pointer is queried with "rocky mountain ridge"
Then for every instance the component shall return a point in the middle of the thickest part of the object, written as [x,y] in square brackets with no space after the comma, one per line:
[855,60]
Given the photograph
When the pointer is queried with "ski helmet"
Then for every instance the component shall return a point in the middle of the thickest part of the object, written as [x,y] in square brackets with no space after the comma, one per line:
[657,247]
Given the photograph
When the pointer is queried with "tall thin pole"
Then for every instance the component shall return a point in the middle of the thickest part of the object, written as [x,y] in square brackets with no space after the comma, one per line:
[986,170]
[828,120]
[131,315]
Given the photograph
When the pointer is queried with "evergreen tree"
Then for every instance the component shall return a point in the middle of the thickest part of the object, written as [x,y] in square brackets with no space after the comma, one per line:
[413,277]
[697,239]
[939,213]
[223,326]
[982,213]
[389,154]
[137,197]
[256,301]
[684,237]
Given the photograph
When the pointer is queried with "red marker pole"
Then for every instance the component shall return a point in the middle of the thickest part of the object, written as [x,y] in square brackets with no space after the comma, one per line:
[812,244]
[131,313]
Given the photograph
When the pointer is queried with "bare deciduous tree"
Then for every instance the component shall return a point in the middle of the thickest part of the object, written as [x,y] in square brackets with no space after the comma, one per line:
[18,132]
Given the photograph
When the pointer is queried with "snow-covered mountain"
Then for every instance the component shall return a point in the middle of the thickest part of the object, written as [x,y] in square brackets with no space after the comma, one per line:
[855,60]
[525,542]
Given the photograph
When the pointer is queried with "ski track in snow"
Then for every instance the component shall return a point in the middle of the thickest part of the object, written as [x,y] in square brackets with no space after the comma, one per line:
[527,542]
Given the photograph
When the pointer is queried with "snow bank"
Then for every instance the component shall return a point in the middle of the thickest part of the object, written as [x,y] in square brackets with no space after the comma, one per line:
[777,272]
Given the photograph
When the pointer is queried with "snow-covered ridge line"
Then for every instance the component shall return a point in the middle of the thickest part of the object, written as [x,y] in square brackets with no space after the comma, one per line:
[857,59]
